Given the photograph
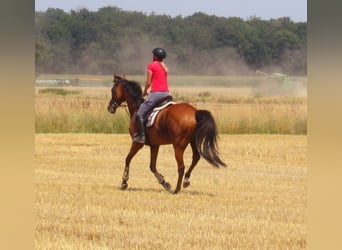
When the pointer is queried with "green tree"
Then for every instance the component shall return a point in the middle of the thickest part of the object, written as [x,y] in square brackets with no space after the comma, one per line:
[99,42]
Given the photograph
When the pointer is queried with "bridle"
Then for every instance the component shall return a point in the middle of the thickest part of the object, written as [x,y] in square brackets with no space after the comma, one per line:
[114,104]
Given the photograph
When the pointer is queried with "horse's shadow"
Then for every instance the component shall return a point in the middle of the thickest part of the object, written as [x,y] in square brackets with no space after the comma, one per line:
[160,190]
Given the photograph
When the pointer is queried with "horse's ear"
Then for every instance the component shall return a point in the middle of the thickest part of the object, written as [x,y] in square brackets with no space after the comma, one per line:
[116,78]
[124,76]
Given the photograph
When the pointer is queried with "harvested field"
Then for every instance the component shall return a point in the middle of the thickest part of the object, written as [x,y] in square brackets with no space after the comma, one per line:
[257,202]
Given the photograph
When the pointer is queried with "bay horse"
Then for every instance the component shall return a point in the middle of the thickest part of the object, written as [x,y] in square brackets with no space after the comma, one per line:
[179,124]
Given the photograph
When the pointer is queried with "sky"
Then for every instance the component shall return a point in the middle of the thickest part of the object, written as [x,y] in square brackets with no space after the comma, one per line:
[264,9]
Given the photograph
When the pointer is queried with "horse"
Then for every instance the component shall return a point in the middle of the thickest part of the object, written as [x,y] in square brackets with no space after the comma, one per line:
[179,124]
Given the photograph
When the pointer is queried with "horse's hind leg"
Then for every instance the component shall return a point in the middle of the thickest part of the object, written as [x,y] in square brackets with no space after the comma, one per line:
[195,158]
[135,147]
[179,152]
[153,163]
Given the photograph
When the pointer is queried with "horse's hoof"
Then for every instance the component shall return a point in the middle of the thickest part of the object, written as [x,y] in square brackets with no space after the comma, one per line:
[167,186]
[123,186]
[186,184]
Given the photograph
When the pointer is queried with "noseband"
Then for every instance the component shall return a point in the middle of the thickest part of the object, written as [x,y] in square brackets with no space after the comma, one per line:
[115,104]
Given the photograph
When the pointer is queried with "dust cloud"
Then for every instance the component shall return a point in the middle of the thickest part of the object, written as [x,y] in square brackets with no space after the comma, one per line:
[137,52]
[132,54]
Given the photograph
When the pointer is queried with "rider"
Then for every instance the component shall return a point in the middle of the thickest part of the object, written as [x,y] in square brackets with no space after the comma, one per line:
[157,80]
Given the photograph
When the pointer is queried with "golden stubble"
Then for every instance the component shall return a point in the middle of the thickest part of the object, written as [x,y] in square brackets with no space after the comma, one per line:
[257,202]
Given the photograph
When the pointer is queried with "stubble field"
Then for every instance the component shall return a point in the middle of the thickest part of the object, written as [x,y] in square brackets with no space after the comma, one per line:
[257,202]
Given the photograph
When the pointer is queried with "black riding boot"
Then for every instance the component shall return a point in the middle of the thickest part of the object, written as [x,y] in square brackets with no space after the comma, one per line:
[140,135]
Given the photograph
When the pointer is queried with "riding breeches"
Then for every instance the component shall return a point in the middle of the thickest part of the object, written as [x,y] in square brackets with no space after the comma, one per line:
[152,99]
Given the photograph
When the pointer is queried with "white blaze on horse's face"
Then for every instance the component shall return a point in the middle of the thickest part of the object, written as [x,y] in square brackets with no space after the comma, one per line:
[111,107]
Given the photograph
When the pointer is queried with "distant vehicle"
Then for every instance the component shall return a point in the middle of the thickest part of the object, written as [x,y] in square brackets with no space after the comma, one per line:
[55,82]
[62,82]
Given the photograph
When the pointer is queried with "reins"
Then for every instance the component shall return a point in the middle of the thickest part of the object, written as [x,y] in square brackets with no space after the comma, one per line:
[124,106]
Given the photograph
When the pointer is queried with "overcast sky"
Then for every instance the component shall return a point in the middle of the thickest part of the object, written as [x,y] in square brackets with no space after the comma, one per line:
[264,9]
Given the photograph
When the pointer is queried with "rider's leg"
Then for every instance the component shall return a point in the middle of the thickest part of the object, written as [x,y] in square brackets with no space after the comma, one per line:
[151,100]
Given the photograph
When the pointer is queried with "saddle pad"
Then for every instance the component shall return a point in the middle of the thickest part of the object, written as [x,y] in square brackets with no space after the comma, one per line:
[151,118]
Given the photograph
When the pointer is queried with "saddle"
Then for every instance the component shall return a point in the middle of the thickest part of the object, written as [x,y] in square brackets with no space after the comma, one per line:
[151,116]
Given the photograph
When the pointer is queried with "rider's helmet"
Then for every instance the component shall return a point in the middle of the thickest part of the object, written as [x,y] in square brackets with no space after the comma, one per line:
[159,52]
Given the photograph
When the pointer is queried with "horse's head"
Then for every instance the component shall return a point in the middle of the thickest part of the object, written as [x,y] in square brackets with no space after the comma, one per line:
[125,91]
[117,96]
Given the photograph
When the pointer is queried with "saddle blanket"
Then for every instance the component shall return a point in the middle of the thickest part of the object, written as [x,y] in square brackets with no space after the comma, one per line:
[152,117]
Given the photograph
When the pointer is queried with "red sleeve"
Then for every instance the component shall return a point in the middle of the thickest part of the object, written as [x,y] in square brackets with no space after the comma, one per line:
[150,67]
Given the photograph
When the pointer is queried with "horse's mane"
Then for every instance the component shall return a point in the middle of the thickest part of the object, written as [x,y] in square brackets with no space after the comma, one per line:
[134,89]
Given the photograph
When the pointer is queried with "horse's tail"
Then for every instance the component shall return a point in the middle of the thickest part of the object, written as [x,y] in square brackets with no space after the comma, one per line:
[206,138]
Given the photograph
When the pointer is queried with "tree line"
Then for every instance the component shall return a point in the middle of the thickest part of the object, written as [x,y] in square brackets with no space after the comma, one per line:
[111,39]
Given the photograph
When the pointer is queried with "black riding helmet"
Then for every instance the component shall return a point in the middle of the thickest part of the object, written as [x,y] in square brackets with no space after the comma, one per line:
[159,52]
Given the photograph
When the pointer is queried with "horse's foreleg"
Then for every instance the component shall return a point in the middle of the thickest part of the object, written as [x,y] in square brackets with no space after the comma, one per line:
[153,164]
[135,147]
[195,159]
[179,152]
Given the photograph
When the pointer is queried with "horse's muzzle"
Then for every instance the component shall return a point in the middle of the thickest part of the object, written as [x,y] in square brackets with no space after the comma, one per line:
[112,108]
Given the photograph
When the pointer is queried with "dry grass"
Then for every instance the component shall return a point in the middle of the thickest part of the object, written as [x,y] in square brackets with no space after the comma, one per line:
[258,202]
[235,111]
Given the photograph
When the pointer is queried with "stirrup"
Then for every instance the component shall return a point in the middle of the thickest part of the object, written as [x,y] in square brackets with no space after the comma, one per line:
[139,138]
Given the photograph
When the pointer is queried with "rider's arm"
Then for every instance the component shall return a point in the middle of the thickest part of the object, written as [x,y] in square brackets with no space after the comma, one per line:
[148,82]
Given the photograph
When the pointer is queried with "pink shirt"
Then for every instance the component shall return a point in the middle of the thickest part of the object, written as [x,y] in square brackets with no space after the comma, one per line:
[159,77]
